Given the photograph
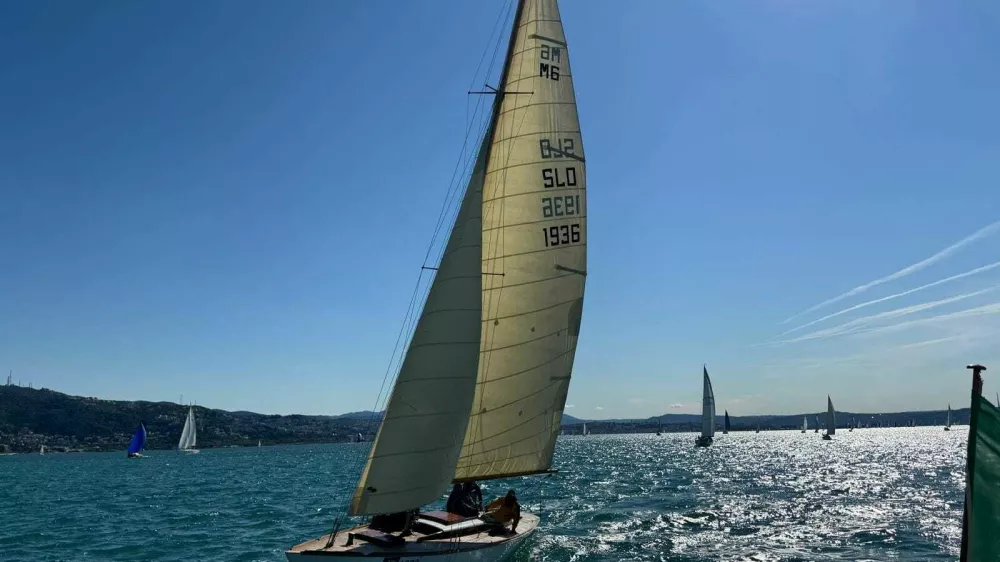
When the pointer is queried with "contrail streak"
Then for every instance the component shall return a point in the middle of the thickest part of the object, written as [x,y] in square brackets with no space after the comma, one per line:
[981,233]
[862,324]
[897,295]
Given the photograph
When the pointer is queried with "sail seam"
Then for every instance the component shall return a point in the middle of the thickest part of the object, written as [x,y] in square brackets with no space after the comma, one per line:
[567,158]
[547,190]
[506,431]
[528,370]
[535,311]
[522,135]
[535,104]
[553,249]
[522,342]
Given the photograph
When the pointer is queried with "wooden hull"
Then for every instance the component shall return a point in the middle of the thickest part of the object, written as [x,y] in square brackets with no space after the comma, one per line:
[476,547]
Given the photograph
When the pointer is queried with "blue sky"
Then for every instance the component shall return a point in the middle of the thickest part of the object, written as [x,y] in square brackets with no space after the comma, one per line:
[232,200]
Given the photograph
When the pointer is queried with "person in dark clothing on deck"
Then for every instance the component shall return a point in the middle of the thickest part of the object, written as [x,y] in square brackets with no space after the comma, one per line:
[466,499]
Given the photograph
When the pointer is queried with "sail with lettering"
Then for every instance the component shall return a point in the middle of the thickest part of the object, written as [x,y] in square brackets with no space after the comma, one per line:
[534,255]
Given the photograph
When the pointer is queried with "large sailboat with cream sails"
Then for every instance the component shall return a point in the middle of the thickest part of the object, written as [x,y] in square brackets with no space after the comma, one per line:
[482,386]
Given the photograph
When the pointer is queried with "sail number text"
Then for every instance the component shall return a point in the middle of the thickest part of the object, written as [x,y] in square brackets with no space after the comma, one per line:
[549,69]
[560,206]
[561,235]
[561,147]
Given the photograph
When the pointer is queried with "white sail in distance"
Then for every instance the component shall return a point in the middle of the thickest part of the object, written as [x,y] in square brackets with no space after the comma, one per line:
[948,424]
[805,423]
[189,435]
[707,406]
[831,420]
[534,256]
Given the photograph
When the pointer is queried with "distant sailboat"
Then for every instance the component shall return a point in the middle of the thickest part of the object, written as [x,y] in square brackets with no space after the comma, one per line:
[707,411]
[138,442]
[358,438]
[758,427]
[854,424]
[831,420]
[584,430]
[816,419]
[805,423]
[189,435]
[947,425]
[725,424]
[42,450]
[258,443]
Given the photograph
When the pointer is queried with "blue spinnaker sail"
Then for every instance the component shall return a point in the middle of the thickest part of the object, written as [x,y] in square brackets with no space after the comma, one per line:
[138,442]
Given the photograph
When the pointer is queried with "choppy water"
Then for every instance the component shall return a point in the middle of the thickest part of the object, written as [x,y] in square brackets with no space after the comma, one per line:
[874,494]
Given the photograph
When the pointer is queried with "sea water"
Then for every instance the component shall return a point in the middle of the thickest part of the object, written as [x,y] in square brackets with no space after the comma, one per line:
[870,494]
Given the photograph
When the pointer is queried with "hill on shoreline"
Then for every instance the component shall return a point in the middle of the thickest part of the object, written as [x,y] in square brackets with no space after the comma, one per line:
[31,417]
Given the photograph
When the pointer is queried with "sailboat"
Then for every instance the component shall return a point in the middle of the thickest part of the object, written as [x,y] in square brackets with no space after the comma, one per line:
[707,411]
[831,420]
[725,423]
[854,423]
[482,385]
[189,435]
[583,431]
[358,438]
[947,425]
[258,443]
[758,427]
[42,450]
[805,424]
[816,419]
[138,442]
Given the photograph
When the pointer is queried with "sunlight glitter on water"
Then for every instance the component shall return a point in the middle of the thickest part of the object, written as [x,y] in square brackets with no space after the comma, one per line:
[872,494]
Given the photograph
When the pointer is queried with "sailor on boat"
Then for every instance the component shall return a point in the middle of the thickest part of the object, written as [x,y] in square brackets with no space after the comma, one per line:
[466,499]
[505,509]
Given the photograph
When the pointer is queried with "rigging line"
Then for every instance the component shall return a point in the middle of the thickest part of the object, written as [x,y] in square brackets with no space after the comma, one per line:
[452,184]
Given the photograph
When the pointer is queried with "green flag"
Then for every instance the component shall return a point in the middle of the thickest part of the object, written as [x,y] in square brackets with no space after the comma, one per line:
[983,484]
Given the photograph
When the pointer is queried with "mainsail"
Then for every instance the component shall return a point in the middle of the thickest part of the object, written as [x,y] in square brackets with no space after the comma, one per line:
[534,256]
[707,406]
[482,386]
[725,424]
[831,420]
[189,435]
[805,423]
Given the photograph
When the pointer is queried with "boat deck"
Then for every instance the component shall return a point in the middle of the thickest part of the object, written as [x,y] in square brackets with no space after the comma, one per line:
[463,535]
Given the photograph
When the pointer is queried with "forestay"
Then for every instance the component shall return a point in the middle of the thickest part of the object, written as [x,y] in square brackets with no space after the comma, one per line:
[533,256]
[414,453]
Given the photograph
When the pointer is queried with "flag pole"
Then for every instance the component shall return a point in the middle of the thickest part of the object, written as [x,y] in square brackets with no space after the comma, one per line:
[970,458]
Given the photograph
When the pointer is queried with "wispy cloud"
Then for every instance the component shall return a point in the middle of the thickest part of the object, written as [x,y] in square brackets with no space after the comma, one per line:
[897,295]
[568,406]
[599,408]
[863,324]
[677,406]
[913,268]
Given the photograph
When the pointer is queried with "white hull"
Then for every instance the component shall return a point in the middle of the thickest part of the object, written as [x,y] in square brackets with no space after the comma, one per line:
[472,548]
